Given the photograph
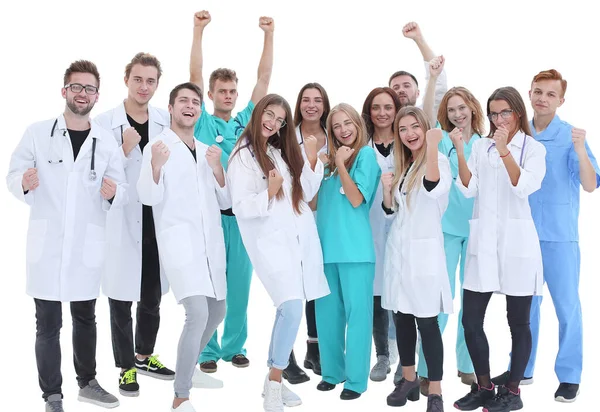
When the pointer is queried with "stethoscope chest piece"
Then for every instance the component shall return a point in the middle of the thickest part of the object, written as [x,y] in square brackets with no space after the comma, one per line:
[93,175]
[219,139]
[342,191]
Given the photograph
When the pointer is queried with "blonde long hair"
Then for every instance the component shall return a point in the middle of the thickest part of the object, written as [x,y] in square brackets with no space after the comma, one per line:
[334,144]
[403,155]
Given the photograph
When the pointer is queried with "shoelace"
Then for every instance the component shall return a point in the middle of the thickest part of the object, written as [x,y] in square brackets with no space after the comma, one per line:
[129,376]
[153,360]
[98,389]
[55,406]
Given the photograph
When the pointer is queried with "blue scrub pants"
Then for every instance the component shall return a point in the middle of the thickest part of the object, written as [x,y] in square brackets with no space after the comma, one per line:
[561,274]
[239,276]
[455,247]
[345,324]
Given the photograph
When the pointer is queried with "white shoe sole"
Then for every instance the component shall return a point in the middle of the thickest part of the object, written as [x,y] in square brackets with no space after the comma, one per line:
[156,375]
[200,385]
[526,381]
[564,400]
[289,404]
[98,403]
[129,394]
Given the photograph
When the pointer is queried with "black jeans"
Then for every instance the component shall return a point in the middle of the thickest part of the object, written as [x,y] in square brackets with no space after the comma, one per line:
[517,310]
[431,338]
[311,322]
[148,312]
[380,328]
[48,315]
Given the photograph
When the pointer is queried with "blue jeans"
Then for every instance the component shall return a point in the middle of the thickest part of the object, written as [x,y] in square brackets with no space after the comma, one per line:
[285,329]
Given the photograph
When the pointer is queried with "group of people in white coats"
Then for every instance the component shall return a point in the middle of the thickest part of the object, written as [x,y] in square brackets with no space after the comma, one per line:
[194,202]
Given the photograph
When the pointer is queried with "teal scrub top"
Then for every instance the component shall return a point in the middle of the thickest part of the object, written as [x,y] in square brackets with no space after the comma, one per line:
[460,209]
[555,207]
[208,127]
[345,231]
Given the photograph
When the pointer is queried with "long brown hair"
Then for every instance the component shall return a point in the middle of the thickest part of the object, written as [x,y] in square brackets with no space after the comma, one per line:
[366,111]
[326,106]
[333,144]
[403,155]
[477,119]
[285,140]
[511,96]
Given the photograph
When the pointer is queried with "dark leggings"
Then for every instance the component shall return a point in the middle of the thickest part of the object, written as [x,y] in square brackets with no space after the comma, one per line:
[431,337]
[311,322]
[517,312]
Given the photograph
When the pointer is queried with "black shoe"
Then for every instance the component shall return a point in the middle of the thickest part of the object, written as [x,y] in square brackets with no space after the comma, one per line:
[293,373]
[404,390]
[325,386]
[348,395]
[502,380]
[475,399]
[435,403]
[240,361]
[567,392]
[313,358]
[128,385]
[151,366]
[209,366]
[504,401]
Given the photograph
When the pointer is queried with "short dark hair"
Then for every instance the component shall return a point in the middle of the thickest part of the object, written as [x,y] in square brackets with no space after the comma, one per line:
[145,59]
[81,66]
[402,73]
[225,75]
[187,85]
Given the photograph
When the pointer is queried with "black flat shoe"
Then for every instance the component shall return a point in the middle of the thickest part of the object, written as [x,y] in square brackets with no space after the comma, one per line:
[325,386]
[293,373]
[348,395]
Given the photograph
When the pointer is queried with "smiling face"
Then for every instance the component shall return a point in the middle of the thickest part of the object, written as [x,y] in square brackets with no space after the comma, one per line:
[311,105]
[142,83]
[80,103]
[459,114]
[411,133]
[344,130]
[272,119]
[383,111]
[186,109]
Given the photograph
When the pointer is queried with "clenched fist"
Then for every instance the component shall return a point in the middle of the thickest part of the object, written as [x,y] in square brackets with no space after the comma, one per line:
[30,180]
[578,137]
[108,189]
[131,138]
[412,30]
[213,157]
[201,19]
[343,153]
[160,154]
[267,24]
[310,146]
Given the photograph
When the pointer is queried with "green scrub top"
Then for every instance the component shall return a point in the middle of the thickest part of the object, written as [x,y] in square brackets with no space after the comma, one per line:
[209,127]
[345,231]
[460,209]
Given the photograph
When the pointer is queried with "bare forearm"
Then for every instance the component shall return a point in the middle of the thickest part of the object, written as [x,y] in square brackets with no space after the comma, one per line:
[350,189]
[587,173]
[513,169]
[196,59]
[432,172]
[425,50]
[463,170]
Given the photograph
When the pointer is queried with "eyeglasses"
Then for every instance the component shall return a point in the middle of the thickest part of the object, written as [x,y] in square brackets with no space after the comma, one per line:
[77,88]
[504,113]
[271,116]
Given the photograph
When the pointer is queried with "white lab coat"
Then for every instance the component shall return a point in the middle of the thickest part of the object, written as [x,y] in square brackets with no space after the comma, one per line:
[123,273]
[186,204]
[380,226]
[415,279]
[504,252]
[66,236]
[284,247]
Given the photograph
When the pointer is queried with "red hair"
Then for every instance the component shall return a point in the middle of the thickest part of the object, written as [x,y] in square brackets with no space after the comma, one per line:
[551,75]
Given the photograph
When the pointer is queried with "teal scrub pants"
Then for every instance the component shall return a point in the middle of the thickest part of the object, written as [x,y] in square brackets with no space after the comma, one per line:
[455,247]
[239,276]
[345,324]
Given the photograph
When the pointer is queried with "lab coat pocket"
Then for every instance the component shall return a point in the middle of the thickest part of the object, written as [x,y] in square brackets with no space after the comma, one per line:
[521,238]
[424,258]
[175,244]
[36,239]
[93,246]
[273,252]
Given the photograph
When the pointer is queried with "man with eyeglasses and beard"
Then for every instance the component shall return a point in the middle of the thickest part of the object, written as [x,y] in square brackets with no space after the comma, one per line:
[69,172]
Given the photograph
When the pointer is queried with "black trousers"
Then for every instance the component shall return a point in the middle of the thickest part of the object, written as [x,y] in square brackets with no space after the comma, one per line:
[311,322]
[147,316]
[48,315]
[380,328]
[517,311]
[431,338]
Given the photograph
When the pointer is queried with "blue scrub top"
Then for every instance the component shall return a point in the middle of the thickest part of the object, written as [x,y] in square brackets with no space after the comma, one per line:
[555,207]
[345,231]
[208,127]
[460,209]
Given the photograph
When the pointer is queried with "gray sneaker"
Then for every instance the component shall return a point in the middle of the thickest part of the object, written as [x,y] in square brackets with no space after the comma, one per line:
[54,404]
[398,374]
[381,369]
[94,394]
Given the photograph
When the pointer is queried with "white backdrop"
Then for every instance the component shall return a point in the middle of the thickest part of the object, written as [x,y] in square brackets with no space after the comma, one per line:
[349,50]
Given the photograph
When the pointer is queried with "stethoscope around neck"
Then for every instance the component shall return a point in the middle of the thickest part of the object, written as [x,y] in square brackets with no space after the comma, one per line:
[93,174]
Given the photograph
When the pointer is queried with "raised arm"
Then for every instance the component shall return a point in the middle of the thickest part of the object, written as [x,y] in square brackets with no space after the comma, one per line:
[201,19]
[265,66]
[436,66]
[412,31]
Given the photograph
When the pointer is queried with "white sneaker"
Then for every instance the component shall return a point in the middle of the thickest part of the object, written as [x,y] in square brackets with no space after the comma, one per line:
[204,380]
[393,349]
[289,398]
[273,401]
[184,407]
